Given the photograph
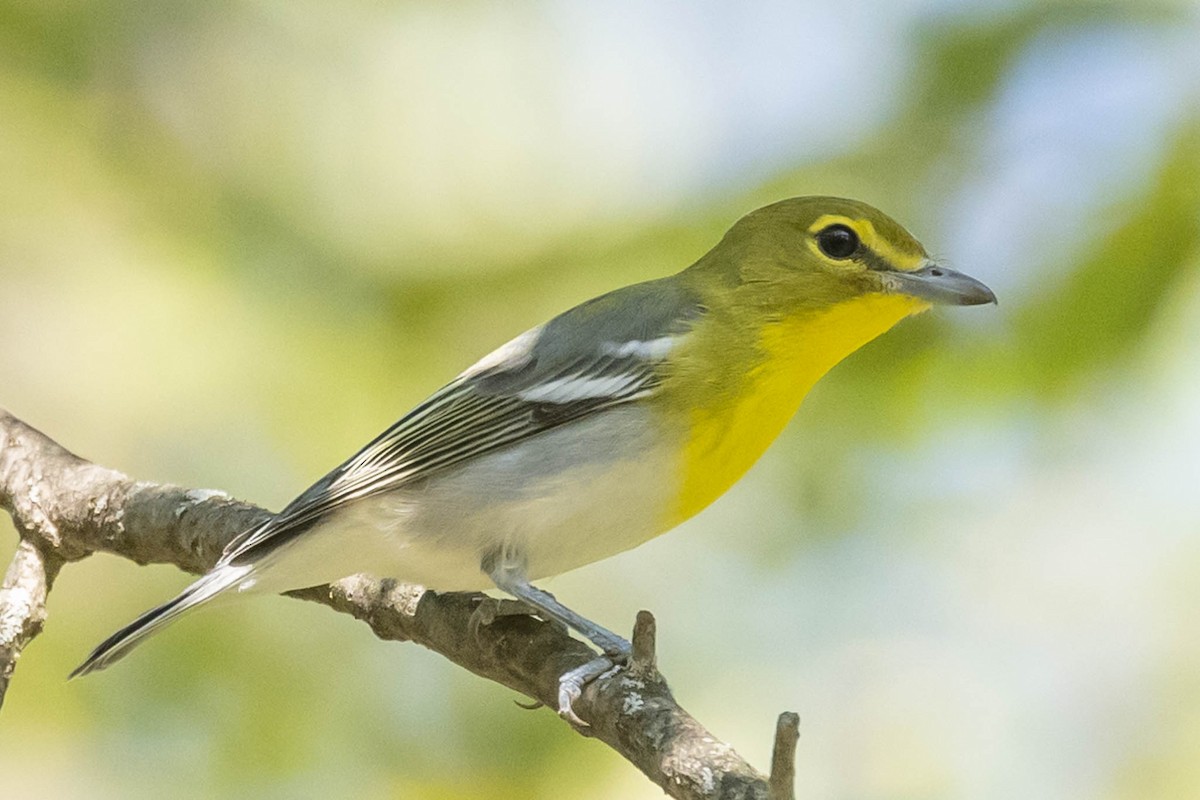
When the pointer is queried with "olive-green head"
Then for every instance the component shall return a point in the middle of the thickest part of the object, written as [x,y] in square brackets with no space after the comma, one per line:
[819,251]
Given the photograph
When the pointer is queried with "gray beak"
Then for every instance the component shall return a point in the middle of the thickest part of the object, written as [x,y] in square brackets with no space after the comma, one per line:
[939,285]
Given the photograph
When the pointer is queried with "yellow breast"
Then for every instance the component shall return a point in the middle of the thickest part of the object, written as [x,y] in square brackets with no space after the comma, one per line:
[728,433]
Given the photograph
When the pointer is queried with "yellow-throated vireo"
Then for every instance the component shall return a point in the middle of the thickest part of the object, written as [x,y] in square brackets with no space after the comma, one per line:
[599,430]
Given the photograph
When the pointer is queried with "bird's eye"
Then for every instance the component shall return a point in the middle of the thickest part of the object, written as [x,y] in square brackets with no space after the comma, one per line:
[837,241]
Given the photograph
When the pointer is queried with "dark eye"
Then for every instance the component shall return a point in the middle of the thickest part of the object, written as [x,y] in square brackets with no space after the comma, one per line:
[837,241]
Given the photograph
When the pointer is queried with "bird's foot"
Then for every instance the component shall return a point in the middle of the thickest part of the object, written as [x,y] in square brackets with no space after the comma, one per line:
[491,609]
[638,658]
[571,684]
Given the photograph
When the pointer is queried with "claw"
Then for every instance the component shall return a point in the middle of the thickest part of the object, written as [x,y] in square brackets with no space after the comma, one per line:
[491,609]
[570,686]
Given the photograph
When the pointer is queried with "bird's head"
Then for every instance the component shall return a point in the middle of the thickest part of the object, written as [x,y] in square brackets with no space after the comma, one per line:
[812,253]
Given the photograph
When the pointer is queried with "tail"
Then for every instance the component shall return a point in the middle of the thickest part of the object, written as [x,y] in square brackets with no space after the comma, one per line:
[120,643]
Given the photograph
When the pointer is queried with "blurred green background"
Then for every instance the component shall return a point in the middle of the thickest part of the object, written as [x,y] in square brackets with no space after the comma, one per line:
[237,239]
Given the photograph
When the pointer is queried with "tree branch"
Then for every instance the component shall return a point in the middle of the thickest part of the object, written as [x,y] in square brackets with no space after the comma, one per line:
[22,605]
[66,508]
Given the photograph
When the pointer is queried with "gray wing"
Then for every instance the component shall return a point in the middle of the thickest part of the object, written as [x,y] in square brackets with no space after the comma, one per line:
[600,354]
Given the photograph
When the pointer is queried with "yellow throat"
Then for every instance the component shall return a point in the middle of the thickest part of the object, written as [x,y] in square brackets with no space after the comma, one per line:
[723,442]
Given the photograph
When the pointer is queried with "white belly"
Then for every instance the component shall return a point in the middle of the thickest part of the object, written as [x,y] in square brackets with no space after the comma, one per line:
[563,499]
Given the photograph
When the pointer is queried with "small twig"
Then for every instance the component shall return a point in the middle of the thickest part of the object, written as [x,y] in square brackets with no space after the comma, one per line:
[782,783]
[644,660]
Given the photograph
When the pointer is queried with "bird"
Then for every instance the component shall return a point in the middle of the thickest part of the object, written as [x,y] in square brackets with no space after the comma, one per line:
[598,430]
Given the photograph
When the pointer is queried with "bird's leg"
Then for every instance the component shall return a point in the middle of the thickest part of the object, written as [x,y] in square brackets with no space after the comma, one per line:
[509,575]
[514,583]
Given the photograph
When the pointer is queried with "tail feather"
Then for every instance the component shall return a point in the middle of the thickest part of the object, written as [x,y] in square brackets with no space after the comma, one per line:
[120,643]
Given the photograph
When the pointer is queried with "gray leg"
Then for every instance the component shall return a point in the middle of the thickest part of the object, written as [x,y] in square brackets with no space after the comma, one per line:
[511,578]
